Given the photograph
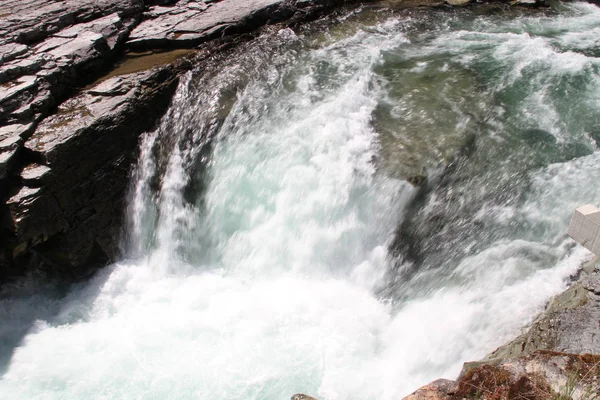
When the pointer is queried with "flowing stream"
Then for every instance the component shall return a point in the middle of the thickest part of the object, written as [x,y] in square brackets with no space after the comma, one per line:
[349,211]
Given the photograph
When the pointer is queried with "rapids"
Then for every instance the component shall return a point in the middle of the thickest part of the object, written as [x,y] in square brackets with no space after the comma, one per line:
[275,245]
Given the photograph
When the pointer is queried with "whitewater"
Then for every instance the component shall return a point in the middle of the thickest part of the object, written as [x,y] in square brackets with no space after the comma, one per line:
[261,254]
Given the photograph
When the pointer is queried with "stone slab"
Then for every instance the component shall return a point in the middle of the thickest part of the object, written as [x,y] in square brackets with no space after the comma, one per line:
[584,227]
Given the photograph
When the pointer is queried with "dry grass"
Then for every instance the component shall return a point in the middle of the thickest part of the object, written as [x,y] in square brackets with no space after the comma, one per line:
[489,382]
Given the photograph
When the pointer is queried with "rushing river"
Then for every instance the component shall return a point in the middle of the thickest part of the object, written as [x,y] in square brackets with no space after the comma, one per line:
[349,212]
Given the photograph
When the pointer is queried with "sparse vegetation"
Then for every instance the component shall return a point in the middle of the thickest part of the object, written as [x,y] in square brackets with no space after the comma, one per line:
[490,382]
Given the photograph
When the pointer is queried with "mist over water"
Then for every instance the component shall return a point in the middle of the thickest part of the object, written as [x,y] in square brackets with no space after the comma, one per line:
[275,244]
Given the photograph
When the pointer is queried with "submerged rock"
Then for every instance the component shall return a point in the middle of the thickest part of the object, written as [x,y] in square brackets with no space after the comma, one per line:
[300,396]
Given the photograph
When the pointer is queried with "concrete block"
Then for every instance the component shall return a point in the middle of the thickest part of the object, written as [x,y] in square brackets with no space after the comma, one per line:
[585,227]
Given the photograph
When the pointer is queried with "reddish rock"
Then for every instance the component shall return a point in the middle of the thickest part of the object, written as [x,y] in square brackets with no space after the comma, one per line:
[440,389]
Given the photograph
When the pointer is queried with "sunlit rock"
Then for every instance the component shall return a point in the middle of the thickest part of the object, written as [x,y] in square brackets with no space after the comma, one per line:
[440,389]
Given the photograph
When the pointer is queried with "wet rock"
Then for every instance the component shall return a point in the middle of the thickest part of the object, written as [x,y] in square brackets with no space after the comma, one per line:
[49,47]
[10,51]
[46,48]
[10,147]
[21,130]
[417,180]
[16,88]
[300,396]
[7,158]
[69,211]
[458,2]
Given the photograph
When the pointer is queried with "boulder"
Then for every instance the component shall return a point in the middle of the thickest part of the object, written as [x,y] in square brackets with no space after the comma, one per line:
[541,375]
[569,324]
[440,389]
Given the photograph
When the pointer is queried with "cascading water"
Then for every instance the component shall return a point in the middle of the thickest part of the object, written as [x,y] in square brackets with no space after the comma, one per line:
[275,245]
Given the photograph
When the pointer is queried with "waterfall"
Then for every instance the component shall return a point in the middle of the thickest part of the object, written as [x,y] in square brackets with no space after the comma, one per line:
[275,244]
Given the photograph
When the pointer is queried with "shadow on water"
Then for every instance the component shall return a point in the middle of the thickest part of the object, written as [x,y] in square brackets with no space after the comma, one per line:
[35,303]
[507,119]
[446,223]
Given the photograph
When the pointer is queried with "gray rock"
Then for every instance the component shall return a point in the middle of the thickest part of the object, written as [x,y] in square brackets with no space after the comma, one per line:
[47,47]
[14,69]
[35,216]
[7,158]
[569,324]
[10,51]
[591,283]
[21,130]
[17,87]
[10,142]
[188,24]
[436,390]
[31,21]
[86,149]
[34,175]
[10,147]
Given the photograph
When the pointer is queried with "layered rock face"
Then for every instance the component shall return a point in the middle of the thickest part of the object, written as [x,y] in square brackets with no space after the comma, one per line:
[47,49]
[66,153]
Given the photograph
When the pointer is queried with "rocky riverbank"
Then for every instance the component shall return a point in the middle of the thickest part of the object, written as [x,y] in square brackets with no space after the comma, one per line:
[557,358]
